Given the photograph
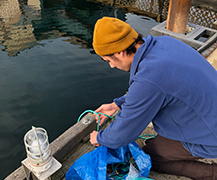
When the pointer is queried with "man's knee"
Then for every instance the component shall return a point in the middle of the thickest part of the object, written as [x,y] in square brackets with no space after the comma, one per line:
[166,150]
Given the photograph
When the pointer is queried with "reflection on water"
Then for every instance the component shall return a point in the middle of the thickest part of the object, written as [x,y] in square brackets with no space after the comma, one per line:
[49,72]
[16,30]
[24,23]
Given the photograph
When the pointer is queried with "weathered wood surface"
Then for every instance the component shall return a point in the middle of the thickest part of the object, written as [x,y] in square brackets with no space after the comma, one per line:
[18,174]
[66,142]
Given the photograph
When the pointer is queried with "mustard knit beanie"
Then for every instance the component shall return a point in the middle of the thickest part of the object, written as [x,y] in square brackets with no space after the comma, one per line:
[112,35]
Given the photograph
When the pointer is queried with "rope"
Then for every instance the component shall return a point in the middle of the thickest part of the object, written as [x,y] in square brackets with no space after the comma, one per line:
[147,136]
[143,136]
[97,114]
[118,170]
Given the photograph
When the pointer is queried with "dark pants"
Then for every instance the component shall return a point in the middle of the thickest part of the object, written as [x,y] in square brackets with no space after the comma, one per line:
[170,157]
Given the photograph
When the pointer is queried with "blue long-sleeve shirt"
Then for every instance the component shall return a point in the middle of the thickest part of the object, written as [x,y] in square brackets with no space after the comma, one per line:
[173,86]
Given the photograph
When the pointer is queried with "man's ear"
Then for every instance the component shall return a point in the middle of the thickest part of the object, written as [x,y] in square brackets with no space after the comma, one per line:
[121,54]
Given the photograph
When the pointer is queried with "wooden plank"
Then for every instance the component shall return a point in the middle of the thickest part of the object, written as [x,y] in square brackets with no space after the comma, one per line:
[82,149]
[18,174]
[66,142]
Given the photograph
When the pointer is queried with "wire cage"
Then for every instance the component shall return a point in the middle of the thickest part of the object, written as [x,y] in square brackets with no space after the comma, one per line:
[38,150]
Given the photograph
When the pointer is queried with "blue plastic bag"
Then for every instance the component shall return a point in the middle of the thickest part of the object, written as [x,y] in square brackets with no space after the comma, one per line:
[93,165]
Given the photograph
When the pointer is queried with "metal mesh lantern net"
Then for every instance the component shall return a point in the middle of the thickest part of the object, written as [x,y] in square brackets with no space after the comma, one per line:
[38,149]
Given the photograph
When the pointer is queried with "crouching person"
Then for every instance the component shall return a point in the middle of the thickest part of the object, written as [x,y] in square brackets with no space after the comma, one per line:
[171,85]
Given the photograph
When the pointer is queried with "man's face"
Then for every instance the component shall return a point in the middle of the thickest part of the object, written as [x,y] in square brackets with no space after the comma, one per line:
[120,62]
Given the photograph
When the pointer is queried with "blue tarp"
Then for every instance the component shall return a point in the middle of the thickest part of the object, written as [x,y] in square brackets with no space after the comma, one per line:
[93,165]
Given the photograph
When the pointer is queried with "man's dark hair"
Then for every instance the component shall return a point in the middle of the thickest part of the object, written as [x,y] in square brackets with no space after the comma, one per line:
[132,49]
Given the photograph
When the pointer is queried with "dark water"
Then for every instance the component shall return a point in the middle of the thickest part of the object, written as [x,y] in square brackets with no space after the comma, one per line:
[49,73]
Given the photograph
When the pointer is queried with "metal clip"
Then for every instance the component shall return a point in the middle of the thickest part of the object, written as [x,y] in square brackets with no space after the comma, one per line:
[87,119]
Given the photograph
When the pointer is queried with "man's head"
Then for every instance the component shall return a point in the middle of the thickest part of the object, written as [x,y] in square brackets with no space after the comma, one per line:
[112,39]
[112,35]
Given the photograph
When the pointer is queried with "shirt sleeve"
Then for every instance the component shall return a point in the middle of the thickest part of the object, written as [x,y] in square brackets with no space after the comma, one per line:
[142,103]
[119,101]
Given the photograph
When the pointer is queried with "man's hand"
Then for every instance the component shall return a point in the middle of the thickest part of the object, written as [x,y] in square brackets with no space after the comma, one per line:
[107,109]
[93,138]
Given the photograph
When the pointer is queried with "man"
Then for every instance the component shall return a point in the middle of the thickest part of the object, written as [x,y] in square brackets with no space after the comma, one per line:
[171,85]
